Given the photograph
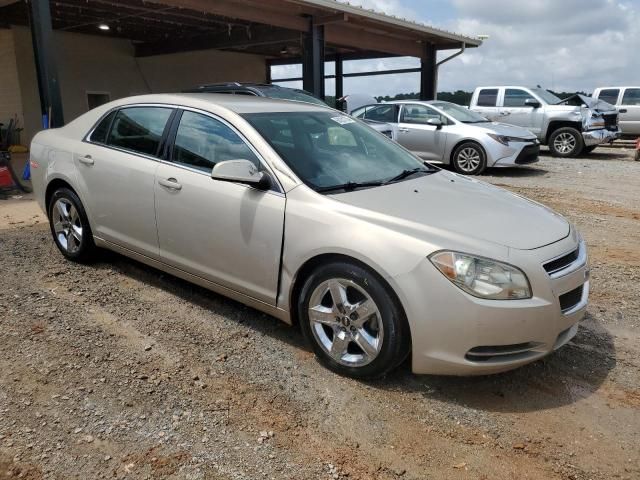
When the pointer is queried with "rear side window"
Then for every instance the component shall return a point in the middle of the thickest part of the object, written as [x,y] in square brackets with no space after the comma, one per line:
[514,97]
[202,141]
[631,96]
[100,133]
[488,97]
[610,95]
[139,129]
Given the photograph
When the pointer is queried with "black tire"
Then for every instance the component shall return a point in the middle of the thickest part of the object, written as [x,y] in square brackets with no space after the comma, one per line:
[396,341]
[82,250]
[462,159]
[566,142]
[589,149]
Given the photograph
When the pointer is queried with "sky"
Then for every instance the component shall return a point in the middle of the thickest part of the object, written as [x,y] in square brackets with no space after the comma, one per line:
[563,45]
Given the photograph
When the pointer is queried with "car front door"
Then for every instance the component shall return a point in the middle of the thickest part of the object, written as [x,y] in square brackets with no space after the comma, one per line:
[116,168]
[228,233]
[515,111]
[415,134]
[630,120]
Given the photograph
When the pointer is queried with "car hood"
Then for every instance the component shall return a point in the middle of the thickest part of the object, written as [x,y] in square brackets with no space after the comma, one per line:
[448,202]
[504,129]
[592,103]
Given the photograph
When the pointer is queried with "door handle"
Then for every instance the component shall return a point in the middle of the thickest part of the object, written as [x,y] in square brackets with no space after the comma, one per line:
[505,113]
[404,130]
[170,183]
[87,160]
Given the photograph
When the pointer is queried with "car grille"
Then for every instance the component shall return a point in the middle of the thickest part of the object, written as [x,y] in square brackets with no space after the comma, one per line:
[571,299]
[529,154]
[611,121]
[561,263]
[502,352]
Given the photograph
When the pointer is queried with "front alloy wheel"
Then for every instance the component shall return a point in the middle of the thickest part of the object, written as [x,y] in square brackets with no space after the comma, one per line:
[353,320]
[469,159]
[566,142]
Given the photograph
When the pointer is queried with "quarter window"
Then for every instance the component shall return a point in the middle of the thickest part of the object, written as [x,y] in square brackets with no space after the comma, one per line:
[101,131]
[421,114]
[139,129]
[610,95]
[202,141]
[488,97]
[631,96]
[514,97]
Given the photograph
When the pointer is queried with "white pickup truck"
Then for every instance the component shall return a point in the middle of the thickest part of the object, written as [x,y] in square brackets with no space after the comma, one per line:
[572,126]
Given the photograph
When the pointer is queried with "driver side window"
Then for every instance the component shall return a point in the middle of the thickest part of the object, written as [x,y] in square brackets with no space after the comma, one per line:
[202,141]
[421,114]
[514,97]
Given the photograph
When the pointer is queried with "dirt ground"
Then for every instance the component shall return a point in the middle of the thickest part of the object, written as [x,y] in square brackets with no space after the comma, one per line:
[116,370]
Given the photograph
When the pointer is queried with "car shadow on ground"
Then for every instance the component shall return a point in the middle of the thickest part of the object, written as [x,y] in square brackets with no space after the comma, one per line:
[515,172]
[606,155]
[568,375]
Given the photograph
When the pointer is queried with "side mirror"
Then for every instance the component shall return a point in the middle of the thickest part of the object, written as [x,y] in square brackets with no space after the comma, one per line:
[435,122]
[241,171]
[532,102]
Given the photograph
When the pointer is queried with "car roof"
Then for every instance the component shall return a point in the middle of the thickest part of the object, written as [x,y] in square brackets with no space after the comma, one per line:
[235,103]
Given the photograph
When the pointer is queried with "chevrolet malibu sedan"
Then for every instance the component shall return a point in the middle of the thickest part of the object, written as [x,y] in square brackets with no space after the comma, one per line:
[311,216]
[443,132]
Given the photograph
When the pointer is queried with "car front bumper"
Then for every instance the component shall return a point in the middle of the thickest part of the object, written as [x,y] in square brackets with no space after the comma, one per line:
[517,153]
[597,137]
[454,333]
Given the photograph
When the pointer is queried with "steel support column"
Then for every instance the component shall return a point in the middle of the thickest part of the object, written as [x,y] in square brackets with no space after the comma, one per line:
[313,60]
[428,73]
[339,77]
[43,50]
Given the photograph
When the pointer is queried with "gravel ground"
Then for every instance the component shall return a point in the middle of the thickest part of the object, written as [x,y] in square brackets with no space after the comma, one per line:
[118,370]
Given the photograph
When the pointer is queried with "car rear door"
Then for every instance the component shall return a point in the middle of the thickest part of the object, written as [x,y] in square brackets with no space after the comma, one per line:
[415,134]
[629,121]
[487,103]
[228,233]
[116,167]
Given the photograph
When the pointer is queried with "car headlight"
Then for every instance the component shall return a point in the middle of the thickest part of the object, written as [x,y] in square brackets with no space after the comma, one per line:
[482,277]
[504,139]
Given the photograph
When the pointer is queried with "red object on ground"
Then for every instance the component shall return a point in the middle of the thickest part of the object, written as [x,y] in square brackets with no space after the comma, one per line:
[6,181]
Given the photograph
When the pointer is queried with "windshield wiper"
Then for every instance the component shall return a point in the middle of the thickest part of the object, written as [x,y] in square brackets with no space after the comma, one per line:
[407,173]
[349,186]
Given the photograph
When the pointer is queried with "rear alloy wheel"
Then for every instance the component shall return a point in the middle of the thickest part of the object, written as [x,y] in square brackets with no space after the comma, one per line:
[352,322]
[566,142]
[70,227]
[469,159]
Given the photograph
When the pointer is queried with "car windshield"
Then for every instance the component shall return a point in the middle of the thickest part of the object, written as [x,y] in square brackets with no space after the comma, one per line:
[329,150]
[546,96]
[291,94]
[459,113]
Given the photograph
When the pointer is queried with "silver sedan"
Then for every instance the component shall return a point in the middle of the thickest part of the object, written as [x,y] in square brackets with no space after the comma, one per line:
[443,132]
[311,216]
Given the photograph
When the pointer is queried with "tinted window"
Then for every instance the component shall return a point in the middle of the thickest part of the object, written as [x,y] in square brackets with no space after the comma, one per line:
[514,97]
[100,133]
[609,95]
[421,114]
[139,129]
[488,97]
[203,141]
[382,113]
[631,96]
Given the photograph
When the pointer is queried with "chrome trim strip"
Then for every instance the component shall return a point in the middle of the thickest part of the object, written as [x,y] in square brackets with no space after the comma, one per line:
[578,263]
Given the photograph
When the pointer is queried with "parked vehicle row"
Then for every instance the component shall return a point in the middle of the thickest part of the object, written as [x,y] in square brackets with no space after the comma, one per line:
[569,127]
[311,216]
[443,132]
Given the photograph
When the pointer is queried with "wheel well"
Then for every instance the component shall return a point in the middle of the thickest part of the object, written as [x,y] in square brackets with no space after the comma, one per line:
[455,147]
[555,125]
[310,265]
[54,185]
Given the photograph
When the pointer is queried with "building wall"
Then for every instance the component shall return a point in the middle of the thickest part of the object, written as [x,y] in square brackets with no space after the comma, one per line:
[92,63]
[10,97]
